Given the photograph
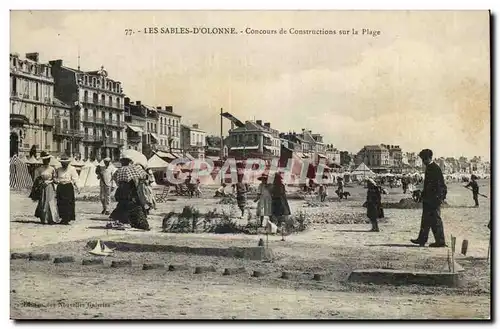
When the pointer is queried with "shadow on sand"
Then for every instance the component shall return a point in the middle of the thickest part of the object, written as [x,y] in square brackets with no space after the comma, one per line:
[353,231]
[397,245]
[29,221]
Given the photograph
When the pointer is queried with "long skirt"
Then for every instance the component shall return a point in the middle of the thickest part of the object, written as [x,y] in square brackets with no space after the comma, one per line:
[264,206]
[130,212]
[46,209]
[280,206]
[66,202]
[241,200]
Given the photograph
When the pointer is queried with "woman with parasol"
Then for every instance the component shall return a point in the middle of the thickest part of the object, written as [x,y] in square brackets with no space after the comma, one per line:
[130,209]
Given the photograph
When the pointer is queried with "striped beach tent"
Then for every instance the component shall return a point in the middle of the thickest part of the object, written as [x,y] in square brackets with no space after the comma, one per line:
[19,175]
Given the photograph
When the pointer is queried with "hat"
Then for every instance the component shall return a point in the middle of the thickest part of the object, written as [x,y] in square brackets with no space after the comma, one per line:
[263,177]
[425,153]
[371,181]
[108,159]
[44,155]
[65,158]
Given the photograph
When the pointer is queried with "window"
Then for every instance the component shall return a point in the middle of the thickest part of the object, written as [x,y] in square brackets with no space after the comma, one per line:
[169,131]
[169,121]
[118,102]
[65,124]
[36,90]
[110,117]
[86,132]
[103,100]
[110,101]
[85,95]
[14,85]
[86,152]
[46,139]
[95,98]
[35,113]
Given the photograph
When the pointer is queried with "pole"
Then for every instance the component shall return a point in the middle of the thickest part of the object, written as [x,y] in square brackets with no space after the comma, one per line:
[221,145]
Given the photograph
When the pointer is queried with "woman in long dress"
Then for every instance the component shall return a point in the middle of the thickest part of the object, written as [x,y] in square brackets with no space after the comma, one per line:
[66,179]
[130,209]
[373,204]
[264,200]
[145,190]
[44,191]
[279,206]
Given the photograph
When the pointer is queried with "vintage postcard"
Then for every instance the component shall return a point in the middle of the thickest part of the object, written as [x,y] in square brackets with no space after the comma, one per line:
[250,165]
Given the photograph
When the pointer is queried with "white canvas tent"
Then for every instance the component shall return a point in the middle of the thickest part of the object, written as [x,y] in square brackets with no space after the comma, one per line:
[88,177]
[362,171]
[155,162]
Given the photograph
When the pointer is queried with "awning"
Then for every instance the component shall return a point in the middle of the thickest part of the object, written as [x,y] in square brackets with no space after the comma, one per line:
[322,156]
[135,129]
[166,155]
[268,135]
[244,148]
[189,156]
[154,136]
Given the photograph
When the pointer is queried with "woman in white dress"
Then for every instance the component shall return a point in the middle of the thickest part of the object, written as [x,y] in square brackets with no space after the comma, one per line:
[264,200]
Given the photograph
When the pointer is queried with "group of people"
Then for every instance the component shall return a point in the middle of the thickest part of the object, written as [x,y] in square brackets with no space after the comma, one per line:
[55,190]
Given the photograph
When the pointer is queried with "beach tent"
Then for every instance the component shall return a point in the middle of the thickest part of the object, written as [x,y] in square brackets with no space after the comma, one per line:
[20,177]
[88,177]
[155,162]
[362,171]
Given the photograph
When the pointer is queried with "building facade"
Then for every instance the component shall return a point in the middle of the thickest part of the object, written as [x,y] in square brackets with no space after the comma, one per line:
[193,140]
[254,140]
[395,158]
[31,104]
[98,115]
[332,155]
[169,132]
[376,157]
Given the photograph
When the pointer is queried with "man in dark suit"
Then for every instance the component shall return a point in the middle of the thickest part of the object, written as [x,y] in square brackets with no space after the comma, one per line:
[433,195]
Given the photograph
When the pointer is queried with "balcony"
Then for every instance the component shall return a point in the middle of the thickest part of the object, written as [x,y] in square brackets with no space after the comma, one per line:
[48,122]
[18,120]
[92,138]
[114,141]
[134,139]
[58,130]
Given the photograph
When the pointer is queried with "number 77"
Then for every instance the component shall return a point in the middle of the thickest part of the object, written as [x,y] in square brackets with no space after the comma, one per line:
[128,31]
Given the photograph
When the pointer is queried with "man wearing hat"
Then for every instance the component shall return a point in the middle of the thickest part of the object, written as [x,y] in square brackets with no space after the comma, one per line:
[475,189]
[104,174]
[433,195]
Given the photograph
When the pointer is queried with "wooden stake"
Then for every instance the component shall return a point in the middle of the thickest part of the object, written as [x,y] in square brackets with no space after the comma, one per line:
[465,245]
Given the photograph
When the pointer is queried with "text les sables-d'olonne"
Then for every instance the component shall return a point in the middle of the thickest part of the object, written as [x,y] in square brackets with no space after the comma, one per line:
[254,31]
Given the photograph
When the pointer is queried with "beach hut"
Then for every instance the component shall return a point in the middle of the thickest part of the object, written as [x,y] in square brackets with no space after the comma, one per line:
[20,177]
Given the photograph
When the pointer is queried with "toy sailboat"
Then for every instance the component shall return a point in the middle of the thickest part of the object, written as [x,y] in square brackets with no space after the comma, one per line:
[101,249]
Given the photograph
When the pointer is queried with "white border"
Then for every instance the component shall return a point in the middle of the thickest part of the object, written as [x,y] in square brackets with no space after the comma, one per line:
[148,4]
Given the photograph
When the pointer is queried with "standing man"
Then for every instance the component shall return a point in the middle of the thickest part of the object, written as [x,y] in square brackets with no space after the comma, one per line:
[105,174]
[475,189]
[404,183]
[433,195]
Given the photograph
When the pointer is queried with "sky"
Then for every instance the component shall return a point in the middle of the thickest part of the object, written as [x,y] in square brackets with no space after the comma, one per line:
[424,82]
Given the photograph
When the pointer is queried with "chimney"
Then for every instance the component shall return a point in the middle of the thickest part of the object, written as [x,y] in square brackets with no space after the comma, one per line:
[259,122]
[32,56]
[169,109]
[267,125]
[138,103]
[195,126]
[127,100]
[158,107]
[57,62]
